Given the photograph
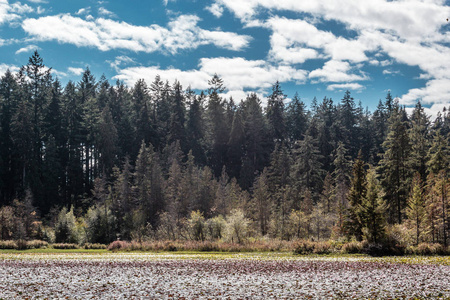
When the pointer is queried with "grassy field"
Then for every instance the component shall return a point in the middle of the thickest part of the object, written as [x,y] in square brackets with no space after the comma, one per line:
[82,274]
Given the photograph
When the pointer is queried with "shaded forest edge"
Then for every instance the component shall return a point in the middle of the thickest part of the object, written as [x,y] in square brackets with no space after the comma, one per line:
[93,163]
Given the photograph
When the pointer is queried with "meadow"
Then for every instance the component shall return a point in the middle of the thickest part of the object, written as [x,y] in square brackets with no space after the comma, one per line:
[97,274]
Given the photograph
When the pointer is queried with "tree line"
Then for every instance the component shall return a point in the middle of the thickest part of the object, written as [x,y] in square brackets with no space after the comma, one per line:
[91,161]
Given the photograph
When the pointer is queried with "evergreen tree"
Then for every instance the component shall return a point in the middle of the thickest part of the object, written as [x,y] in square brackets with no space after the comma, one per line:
[195,129]
[236,145]
[9,101]
[356,195]
[296,119]
[275,113]
[438,154]
[393,166]
[373,210]
[418,136]
[107,140]
[218,134]
[177,118]
[307,169]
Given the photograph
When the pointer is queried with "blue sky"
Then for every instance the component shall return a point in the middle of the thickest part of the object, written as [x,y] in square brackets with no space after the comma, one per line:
[316,48]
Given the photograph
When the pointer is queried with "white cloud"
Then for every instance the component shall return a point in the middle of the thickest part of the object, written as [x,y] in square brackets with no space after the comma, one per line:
[12,12]
[20,8]
[408,32]
[119,61]
[58,73]
[4,67]
[37,1]
[390,72]
[75,71]
[240,75]
[105,34]
[295,41]
[215,9]
[104,12]
[83,11]
[408,18]
[29,48]
[345,86]
[336,71]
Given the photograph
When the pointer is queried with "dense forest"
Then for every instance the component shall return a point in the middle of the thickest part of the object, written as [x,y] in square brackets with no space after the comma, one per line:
[95,162]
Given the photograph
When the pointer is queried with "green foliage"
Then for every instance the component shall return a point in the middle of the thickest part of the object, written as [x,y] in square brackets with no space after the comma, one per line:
[67,227]
[236,230]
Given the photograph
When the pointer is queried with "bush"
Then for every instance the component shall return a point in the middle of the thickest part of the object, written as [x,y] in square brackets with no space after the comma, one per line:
[430,249]
[8,244]
[322,248]
[118,245]
[353,247]
[65,246]
[304,247]
[36,244]
[309,247]
[94,246]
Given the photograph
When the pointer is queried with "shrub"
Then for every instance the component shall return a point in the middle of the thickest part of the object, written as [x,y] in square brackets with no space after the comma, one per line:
[65,246]
[36,244]
[430,249]
[322,248]
[118,245]
[304,247]
[353,247]
[94,246]
[8,244]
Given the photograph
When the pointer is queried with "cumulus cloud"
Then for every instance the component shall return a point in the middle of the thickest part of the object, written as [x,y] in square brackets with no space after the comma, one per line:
[104,12]
[408,32]
[12,12]
[28,48]
[105,34]
[215,9]
[120,61]
[295,41]
[336,71]
[240,75]
[5,67]
[75,71]
[83,11]
[409,19]
[37,1]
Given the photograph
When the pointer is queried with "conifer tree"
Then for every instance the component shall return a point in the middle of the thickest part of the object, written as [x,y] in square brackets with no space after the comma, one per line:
[373,210]
[356,195]
[275,113]
[393,166]
[296,119]
[415,210]
[418,136]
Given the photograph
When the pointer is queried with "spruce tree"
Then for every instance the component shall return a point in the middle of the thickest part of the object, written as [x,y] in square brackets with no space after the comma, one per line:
[393,166]
[372,210]
[356,195]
